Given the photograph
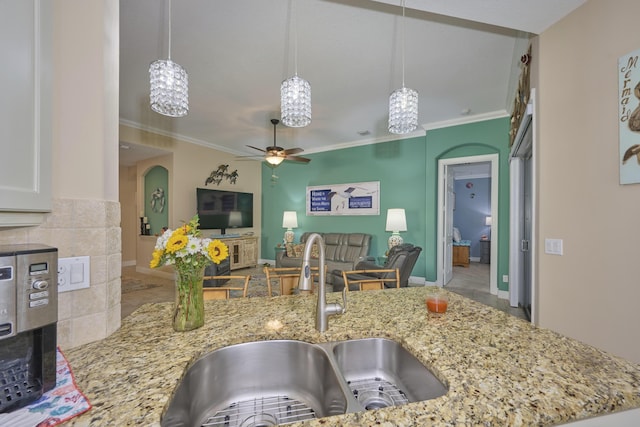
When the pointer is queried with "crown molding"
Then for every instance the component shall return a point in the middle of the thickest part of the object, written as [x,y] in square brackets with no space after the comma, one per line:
[466,120]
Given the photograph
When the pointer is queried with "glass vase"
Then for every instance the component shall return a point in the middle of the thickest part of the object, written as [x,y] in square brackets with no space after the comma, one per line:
[188,313]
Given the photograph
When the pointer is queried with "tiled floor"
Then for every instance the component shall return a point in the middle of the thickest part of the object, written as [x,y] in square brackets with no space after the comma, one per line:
[472,282]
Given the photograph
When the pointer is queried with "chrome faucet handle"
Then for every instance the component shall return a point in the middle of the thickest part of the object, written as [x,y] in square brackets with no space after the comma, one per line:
[344,300]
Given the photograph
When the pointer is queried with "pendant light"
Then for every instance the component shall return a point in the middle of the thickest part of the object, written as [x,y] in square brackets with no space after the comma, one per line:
[295,92]
[169,94]
[403,102]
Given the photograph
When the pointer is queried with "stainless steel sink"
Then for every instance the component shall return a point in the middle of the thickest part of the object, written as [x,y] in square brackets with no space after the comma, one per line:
[270,383]
[262,383]
[381,373]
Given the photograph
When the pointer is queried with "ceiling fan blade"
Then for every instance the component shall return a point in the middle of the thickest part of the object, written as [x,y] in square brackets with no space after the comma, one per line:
[298,159]
[293,151]
[256,148]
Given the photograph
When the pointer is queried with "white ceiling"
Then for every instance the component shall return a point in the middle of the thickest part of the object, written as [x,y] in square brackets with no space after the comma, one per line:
[460,55]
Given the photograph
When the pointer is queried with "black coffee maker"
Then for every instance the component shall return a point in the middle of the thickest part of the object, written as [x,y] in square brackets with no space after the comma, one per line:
[28,318]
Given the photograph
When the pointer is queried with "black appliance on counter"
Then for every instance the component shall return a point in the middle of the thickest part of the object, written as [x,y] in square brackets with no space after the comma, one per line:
[28,320]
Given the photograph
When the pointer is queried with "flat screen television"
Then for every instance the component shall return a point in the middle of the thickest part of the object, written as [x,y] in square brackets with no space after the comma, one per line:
[222,209]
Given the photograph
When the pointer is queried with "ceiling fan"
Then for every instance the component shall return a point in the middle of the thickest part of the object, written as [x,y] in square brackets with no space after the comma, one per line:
[275,155]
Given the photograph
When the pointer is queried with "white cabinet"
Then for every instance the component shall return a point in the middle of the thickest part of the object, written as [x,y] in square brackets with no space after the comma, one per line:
[25,110]
[243,251]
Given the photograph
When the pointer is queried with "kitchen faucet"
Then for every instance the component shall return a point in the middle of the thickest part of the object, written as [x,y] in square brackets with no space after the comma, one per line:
[323,310]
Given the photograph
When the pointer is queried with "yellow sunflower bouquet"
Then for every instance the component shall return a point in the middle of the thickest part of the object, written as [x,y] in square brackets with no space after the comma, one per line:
[189,254]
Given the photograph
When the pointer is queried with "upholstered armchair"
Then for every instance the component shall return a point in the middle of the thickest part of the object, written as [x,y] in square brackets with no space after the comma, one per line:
[403,257]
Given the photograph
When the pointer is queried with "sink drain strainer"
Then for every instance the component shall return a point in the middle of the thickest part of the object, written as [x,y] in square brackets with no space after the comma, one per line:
[261,412]
[376,393]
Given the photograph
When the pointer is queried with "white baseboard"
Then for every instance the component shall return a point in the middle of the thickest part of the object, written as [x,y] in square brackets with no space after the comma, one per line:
[129,263]
[417,280]
[503,294]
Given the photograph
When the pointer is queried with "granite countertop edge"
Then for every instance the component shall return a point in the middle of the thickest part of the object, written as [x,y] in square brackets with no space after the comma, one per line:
[500,370]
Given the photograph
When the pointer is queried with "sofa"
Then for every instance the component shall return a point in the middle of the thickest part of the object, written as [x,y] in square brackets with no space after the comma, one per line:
[342,252]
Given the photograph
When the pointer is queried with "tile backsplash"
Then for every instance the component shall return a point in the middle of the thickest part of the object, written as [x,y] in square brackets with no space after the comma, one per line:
[82,228]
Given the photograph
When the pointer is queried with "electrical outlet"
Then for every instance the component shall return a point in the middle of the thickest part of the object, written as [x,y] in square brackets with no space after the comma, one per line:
[73,273]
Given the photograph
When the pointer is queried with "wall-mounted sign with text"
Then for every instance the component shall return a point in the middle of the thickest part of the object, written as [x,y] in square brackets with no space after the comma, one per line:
[361,198]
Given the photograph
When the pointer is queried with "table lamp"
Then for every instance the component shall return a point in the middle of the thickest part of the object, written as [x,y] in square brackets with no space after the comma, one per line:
[396,222]
[289,221]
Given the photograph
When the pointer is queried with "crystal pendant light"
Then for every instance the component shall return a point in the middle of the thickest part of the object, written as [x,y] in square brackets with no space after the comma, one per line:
[169,94]
[295,92]
[403,102]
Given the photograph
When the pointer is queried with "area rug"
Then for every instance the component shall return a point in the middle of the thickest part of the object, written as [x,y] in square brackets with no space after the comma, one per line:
[56,406]
[258,287]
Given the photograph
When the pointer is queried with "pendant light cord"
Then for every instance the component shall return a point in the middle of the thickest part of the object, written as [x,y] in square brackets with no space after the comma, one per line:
[169,53]
[294,25]
[403,24]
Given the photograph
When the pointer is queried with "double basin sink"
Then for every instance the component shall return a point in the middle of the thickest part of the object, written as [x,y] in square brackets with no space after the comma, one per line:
[268,383]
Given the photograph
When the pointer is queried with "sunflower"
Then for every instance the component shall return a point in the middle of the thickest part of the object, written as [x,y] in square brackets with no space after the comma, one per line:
[218,251]
[176,242]
[156,257]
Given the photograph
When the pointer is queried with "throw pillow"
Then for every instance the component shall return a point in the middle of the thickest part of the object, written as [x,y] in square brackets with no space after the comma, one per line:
[290,250]
[299,250]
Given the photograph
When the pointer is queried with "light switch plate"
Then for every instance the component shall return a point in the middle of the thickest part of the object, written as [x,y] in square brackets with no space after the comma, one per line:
[553,246]
[73,273]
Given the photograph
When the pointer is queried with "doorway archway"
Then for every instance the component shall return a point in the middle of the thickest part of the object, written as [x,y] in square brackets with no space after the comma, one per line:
[445,212]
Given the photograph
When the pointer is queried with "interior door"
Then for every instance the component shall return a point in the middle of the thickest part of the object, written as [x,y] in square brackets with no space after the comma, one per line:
[449,205]
[521,245]
[527,211]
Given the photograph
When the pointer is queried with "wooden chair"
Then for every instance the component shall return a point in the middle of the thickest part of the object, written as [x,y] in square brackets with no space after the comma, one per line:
[364,283]
[224,292]
[287,277]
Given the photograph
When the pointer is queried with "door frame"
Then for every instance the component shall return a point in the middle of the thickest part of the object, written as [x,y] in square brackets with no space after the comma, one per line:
[524,145]
[442,185]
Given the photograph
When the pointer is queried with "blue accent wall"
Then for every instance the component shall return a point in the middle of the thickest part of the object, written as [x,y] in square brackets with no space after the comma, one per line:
[473,205]
[407,170]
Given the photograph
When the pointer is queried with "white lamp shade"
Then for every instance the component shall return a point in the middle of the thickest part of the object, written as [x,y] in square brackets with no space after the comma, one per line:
[290,219]
[487,220]
[235,219]
[396,220]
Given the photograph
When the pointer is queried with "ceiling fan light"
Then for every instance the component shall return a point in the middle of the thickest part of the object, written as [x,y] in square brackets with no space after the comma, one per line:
[274,160]
[403,111]
[169,94]
[295,102]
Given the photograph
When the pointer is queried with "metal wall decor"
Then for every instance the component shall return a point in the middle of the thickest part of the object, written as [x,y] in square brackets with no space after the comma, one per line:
[221,173]
[522,97]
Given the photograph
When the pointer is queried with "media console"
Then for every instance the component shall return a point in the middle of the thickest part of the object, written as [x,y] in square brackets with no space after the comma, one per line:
[243,251]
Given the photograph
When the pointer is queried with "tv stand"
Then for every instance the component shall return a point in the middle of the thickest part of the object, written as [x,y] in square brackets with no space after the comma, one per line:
[243,250]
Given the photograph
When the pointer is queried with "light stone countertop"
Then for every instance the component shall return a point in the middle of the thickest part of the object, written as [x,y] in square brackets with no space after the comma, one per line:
[500,370]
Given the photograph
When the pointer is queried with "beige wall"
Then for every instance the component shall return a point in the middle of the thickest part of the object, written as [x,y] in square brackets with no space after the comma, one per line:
[85,217]
[591,293]
[189,165]
[130,223]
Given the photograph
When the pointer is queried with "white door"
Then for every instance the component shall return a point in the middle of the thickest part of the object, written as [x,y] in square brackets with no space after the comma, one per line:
[449,204]
[522,208]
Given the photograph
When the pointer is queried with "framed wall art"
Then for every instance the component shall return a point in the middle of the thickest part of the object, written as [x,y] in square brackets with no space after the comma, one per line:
[629,117]
[361,198]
